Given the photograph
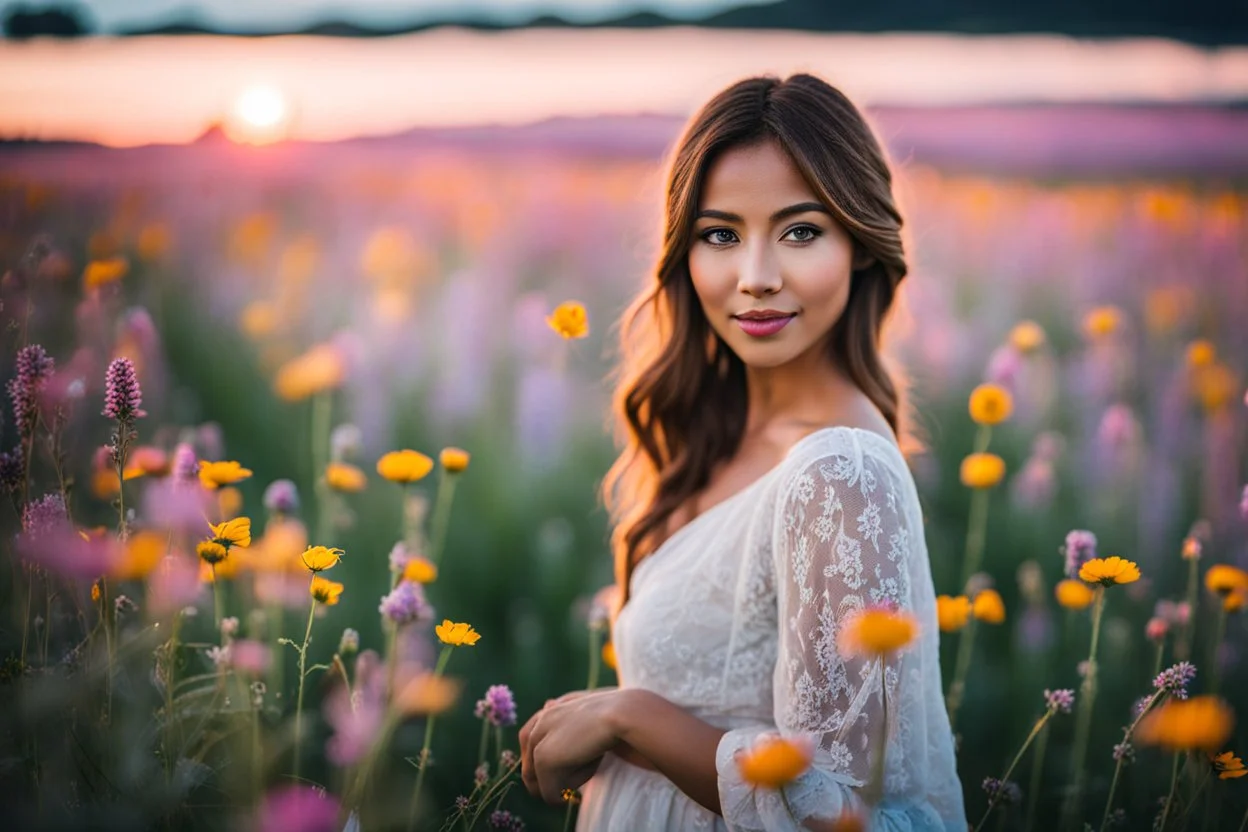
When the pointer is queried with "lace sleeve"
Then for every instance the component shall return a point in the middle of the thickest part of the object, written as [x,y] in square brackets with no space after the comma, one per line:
[844,536]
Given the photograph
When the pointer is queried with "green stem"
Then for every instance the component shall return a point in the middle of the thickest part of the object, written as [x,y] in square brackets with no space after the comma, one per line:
[216,598]
[30,589]
[1161,652]
[484,746]
[957,687]
[322,412]
[392,637]
[567,817]
[977,526]
[303,656]
[1174,779]
[1243,824]
[424,749]
[1213,652]
[1040,723]
[875,787]
[1183,646]
[1083,720]
[1037,772]
[441,514]
[1113,784]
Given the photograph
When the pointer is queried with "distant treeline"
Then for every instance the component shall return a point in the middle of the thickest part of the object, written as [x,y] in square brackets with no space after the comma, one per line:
[1205,22]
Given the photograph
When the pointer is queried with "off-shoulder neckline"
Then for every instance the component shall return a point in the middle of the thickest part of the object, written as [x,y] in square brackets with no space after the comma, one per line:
[878,438]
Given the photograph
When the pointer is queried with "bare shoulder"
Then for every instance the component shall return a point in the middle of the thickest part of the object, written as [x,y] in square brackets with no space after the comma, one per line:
[854,410]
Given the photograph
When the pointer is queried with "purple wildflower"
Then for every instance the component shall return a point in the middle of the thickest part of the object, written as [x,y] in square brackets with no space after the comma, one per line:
[185,465]
[1243,504]
[399,556]
[1140,705]
[122,395]
[349,643]
[12,469]
[406,604]
[462,803]
[1124,752]
[481,775]
[298,809]
[281,497]
[1174,680]
[498,706]
[1079,549]
[43,516]
[1006,791]
[1059,701]
[34,368]
[502,819]
[508,758]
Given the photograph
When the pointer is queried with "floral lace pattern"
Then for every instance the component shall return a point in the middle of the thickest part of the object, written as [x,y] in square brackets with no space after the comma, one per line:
[735,618]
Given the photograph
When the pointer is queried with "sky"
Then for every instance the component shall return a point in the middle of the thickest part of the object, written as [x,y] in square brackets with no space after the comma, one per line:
[115,15]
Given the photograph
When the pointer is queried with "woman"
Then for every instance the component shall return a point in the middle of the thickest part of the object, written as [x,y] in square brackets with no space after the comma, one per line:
[761,499]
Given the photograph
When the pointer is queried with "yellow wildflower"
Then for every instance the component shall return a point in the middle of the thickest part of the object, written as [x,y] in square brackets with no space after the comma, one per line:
[101,272]
[990,404]
[608,655]
[876,632]
[1027,336]
[427,694]
[142,553]
[236,532]
[217,474]
[320,558]
[571,796]
[154,242]
[1235,601]
[1201,353]
[211,552]
[775,761]
[420,571]
[1203,722]
[569,320]
[1102,322]
[95,592]
[1228,766]
[1109,571]
[317,370]
[952,613]
[226,570]
[456,635]
[342,476]
[1224,580]
[454,460]
[325,591]
[1215,386]
[988,607]
[258,319]
[404,466]
[982,470]
[1191,548]
[1073,595]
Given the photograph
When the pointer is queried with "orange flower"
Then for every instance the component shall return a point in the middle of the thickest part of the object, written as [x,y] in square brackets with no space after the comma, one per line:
[325,591]
[1102,322]
[1224,580]
[142,553]
[102,272]
[1201,353]
[320,558]
[1109,571]
[1203,722]
[404,466]
[1027,336]
[95,592]
[319,369]
[236,532]
[216,474]
[426,694]
[608,655]
[775,761]
[1073,595]
[1235,601]
[876,632]
[1215,386]
[952,613]
[990,404]
[258,319]
[454,460]
[457,635]
[988,607]
[420,571]
[569,320]
[342,476]
[211,552]
[982,470]
[1228,766]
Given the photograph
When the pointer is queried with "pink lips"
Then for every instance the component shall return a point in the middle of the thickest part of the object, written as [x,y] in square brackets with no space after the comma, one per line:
[762,327]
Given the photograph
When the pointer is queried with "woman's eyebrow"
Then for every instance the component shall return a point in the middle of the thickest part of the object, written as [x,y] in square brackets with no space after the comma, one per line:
[799,208]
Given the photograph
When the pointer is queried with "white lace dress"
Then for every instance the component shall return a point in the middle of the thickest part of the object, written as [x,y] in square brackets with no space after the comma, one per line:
[735,619]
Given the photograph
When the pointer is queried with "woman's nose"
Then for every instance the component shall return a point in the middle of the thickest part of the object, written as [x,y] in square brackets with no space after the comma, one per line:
[759,272]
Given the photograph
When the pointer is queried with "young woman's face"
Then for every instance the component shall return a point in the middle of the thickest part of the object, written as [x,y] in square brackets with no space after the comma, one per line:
[770,265]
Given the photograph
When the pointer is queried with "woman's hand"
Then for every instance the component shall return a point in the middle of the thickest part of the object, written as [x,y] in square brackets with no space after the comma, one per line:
[562,744]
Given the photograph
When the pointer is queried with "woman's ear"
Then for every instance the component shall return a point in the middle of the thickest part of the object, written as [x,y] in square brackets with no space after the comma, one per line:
[862,259]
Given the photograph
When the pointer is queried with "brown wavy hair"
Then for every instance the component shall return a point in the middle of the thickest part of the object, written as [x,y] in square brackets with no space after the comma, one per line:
[680,394]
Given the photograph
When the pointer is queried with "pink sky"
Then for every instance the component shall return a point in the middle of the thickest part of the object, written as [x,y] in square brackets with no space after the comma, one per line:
[169,89]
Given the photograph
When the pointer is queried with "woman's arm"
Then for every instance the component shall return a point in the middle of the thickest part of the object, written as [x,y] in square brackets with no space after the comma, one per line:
[678,744]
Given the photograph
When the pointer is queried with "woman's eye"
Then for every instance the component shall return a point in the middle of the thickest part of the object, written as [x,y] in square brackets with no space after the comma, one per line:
[803,233]
[719,236]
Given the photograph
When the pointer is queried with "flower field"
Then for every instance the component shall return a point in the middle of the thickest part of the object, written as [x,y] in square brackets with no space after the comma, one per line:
[301,447]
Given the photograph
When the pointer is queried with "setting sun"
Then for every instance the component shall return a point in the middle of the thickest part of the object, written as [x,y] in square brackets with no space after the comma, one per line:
[260,115]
